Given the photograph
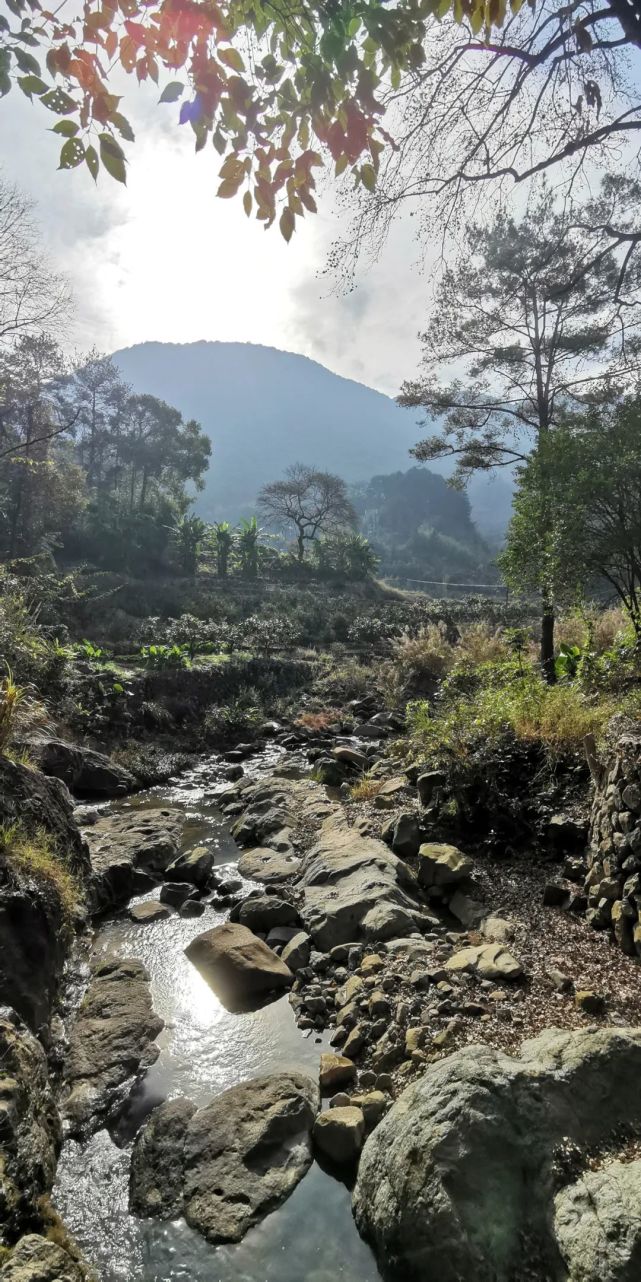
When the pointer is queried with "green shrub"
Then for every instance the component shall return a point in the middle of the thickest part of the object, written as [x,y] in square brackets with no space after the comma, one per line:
[164,656]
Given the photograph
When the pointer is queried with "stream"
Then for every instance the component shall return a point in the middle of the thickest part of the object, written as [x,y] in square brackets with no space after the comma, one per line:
[204,1049]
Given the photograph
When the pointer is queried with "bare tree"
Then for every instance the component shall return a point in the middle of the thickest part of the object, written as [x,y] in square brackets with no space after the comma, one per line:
[532,332]
[555,89]
[32,298]
[310,500]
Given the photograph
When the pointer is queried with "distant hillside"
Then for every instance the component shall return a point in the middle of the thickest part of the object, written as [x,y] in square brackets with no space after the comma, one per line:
[264,409]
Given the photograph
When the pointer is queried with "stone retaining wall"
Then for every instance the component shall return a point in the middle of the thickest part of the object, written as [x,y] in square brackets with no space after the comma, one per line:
[613,881]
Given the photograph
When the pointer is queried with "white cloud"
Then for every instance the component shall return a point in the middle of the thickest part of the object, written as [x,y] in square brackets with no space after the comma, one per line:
[165,259]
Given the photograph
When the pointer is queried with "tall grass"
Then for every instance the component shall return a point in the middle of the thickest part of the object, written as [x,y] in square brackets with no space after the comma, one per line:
[11,696]
[33,855]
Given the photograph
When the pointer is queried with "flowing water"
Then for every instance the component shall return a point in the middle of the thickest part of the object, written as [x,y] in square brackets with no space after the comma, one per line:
[203,1050]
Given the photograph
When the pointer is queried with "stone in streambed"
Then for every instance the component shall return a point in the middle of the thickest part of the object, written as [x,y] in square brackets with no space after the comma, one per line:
[339,1134]
[150,910]
[236,964]
[268,866]
[194,866]
[36,1259]
[175,893]
[227,1165]
[263,912]
[335,1071]
[297,952]
[111,1041]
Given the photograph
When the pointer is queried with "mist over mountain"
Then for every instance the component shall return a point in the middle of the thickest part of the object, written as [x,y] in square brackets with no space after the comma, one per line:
[264,409]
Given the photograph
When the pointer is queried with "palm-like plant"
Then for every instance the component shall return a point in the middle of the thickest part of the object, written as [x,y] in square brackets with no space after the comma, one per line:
[224,535]
[190,533]
[248,546]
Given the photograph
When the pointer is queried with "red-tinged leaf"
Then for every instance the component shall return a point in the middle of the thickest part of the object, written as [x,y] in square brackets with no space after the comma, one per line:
[286,224]
[229,187]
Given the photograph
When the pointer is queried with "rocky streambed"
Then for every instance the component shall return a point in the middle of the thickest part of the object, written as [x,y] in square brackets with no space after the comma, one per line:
[202,1051]
[287,993]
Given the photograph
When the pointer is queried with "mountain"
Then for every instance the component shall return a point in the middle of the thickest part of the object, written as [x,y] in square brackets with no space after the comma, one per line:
[264,409]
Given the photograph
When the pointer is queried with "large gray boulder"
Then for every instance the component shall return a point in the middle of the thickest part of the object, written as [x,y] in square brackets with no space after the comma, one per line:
[86,773]
[30,1131]
[354,888]
[457,1181]
[36,1259]
[227,1165]
[237,964]
[126,844]
[598,1224]
[112,1041]
[268,866]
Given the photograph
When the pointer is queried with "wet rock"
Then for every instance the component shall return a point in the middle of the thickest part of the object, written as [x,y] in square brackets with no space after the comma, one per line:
[442,865]
[157,1170]
[490,961]
[192,908]
[339,1134]
[297,952]
[194,866]
[129,842]
[150,910]
[335,1071]
[175,893]
[86,773]
[36,1259]
[447,1185]
[30,1131]
[598,1224]
[268,866]
[236,964]
[240,1156]
[263,912]
[112,1040]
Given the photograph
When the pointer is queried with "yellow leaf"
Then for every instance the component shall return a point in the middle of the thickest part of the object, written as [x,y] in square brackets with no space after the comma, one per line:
[228,188]
[247,203]
[231,58]
[368,177]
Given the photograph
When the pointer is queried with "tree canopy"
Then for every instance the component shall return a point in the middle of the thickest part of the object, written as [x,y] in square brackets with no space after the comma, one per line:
[312,501]
[470,83]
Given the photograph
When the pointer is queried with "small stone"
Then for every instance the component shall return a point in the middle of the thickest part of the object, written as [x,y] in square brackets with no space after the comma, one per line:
[150,910]
[192,908]
[560,982]
[355,1042]
[371,964]
[590,1003]
[336,1071]
[555,895]
[339,1134]
[340,1100]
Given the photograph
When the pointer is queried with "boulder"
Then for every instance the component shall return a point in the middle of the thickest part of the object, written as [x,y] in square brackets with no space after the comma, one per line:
[263,912]
[193,865]
[344,878]
[350,756]
[490,961]
[86,773]
[406,835]
[33,940]
[227,1165]
[157,1171]
[442,865]
[236,964]
[111,1042]
[598,1224]
[329,771]
[429,785]
[339,1133]
[36,1259]
[458,1180]
[268,866]
[150,910]
[175,893]
[297,952]
[128,843]
[335,1071]
[30,1131]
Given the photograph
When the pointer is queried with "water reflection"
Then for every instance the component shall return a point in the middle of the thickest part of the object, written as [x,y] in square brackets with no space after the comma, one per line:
[204,1049]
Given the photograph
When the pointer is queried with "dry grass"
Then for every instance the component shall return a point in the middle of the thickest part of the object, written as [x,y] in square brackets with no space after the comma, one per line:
[33,855]
[601,626]
[481,643]
[366,789]
[427,654]
[11,696]
[318,720]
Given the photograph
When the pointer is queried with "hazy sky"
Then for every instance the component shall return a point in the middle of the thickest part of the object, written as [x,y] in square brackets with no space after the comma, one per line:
[165,259]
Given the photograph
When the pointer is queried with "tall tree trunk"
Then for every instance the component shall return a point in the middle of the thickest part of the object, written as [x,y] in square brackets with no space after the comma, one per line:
[547,640]
[301,545]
